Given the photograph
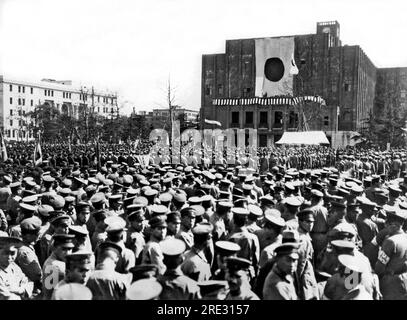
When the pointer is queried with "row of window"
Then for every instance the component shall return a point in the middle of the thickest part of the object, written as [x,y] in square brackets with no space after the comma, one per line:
[65,95]
[278,118]
[16,133]
[21,89]
[49,93]
[20,112]
[21,102]
[20,123]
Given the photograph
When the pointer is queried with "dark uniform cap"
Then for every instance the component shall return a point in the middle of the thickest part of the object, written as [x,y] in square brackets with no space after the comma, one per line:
[172,247]
[180,197]
[394,189]
[306,215]
[65,240]
[209,286]
[80,181]
[240,211]
[287,249]
[317,193]
[274,216]
[199,210]
[31,224]
[78,230]
[225,204]
[151,192]
[72,291]
[115,224]
[45,210]
[69,199]
[27,207]
[237,263]
[93,181]
[195,200]
[159,209]
[144,289]
[227,248]
[293,201]
[353,262]
[57,202]
[48,179]
[338,201]
[357,189]
[30,199]
[98,198]
[165,197]
[343,245]
[255,210]
[90,188]
[108,245]
[15,185]
[290,236]
[188,212]
[202,228]
[10,241]
[80,256]
[158,221]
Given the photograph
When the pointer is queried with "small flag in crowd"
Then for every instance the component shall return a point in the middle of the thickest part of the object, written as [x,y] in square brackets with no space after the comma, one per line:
[38,152]
[217,123]
[4,156]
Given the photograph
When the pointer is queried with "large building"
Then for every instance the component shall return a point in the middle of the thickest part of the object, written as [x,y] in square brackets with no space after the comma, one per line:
[160,118]
[269,84]
[17,98]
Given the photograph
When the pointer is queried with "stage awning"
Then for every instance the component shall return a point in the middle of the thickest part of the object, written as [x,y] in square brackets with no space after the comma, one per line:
[304,137]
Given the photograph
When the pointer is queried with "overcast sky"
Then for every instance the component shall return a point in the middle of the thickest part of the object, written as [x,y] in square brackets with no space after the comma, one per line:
[132,46]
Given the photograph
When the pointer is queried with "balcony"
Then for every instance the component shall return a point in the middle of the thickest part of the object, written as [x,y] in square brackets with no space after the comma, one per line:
[249,125]
[263,125]
[235,125]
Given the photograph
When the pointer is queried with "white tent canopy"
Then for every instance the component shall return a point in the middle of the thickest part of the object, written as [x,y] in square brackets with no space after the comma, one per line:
[304,137]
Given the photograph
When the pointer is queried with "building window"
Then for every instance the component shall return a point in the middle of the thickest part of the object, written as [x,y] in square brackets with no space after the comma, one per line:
[11,112]
[23,112]
[23,89]
[19,88]
[11,123]
[45,92]
[220,89]
[63,95]
[11,100]
[52,93]
[208,90]
[347,87]
[235,117]
[326,121]
[14,134]
[293,119]
[32,90]
[263,117]
[8,133]
[11,87]
[19,113]
[249,117]
[19,101]
[32,103]
[98,109]
[19,123]
[278,119]
[23,102]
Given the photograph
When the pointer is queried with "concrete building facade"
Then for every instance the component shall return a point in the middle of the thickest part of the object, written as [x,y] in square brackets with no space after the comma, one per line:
[342,76]
[18,98]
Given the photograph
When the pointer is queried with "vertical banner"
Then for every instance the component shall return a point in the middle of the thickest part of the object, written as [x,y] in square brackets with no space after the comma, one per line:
[275,66]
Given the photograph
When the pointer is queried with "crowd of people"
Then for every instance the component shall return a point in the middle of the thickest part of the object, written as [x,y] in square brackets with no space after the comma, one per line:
[287,223]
